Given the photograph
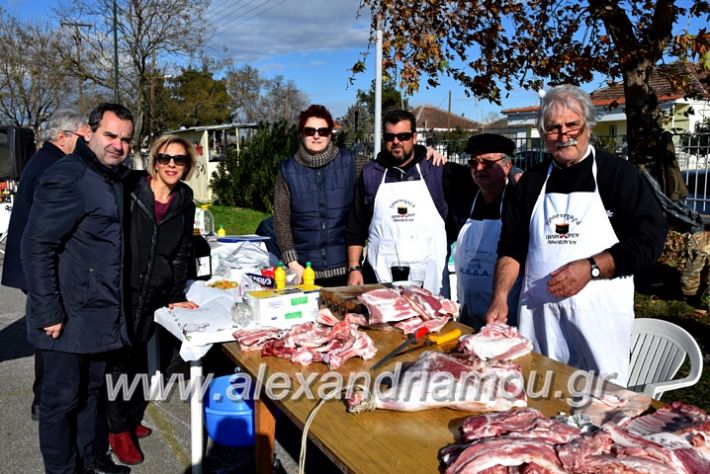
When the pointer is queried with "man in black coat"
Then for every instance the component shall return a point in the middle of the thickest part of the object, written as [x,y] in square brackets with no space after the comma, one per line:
[72,256]
[62,131]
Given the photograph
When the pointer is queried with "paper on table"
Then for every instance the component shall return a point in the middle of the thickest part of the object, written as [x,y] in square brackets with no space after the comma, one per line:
[199,328]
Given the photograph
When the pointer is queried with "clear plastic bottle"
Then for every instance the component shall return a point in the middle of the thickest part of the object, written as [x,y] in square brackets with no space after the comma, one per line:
[204,220]
[241,313]
[280,276]
[309,276]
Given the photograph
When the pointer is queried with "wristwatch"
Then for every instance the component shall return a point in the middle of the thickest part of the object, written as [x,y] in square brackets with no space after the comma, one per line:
[354,268]
[595,272]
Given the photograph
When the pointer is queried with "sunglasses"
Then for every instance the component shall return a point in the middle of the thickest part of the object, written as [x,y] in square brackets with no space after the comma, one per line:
[164,159]
[402,137]
[485,163]
[310,131]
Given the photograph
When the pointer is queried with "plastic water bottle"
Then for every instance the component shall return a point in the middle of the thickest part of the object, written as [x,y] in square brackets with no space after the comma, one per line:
[204,220]
[280,276]
[241,313]
[309,276]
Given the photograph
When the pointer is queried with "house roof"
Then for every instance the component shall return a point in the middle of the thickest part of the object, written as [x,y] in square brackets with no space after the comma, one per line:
[666,80]
[429,117]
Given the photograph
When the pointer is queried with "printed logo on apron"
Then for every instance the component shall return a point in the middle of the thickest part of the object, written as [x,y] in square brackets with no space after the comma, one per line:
[564,226]
[403,210]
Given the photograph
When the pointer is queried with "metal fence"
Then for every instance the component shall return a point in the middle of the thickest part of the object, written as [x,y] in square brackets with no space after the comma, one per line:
[692,151]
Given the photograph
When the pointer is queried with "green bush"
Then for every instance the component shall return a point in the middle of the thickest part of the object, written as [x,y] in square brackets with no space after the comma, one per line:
[247,179]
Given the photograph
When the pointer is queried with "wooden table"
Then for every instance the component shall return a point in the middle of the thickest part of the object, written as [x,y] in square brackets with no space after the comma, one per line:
[379,441]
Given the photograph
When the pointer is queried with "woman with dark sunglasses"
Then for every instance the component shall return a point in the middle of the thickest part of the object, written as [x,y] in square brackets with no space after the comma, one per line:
[312,199]
[158,232]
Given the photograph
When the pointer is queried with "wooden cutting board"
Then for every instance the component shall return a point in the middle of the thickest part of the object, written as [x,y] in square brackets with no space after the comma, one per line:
[343,299]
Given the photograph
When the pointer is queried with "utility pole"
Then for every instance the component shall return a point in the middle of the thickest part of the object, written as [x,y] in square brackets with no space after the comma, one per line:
[77,40]
[448,116]
[115,52]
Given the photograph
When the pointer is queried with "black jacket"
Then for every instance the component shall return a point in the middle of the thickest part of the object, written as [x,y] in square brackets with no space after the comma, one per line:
[72,255]
[157,255]
[12,274]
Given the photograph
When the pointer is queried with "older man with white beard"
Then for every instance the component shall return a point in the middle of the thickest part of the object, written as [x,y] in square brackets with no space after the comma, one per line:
[580,225]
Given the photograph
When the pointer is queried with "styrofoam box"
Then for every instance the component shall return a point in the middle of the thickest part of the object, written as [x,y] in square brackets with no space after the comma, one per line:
[284,308]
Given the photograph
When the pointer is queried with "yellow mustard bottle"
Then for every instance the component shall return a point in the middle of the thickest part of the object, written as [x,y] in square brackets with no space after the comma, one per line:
[221,232]
[309,276]
[280,276]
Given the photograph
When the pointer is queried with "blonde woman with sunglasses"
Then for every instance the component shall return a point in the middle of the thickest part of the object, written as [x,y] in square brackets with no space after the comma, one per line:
[160,217]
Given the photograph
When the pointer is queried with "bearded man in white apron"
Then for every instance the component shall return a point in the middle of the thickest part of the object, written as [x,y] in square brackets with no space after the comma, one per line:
[401,201]
[583,224]
[491,170]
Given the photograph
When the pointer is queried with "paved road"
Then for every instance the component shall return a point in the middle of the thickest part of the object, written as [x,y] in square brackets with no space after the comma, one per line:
[166,451]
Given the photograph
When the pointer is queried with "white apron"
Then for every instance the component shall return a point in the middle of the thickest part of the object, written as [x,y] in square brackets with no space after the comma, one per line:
[591,330]
[476,256]
[406,227]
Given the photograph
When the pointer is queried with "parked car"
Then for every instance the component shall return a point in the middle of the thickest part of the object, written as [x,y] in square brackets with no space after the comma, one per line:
[525,159]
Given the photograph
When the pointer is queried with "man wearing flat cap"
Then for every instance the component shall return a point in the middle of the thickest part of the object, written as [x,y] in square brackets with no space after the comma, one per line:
[479,216]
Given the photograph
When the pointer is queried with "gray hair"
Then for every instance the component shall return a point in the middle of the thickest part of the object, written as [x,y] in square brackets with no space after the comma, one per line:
[570,97]
[65,119]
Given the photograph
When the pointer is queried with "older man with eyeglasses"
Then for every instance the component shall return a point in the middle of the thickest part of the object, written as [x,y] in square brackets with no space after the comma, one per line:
[401,203]
[477,215]
[580,225]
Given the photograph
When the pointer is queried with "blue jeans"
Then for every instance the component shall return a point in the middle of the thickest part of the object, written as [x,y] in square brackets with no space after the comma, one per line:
[67,425]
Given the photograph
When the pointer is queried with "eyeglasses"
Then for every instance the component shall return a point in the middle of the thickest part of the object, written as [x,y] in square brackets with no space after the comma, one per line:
[310,131]
[71,132]
[572,130]
[402,137]
[164,159]
[485,163]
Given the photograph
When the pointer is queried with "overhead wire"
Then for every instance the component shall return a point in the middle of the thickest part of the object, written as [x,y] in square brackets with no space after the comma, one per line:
[234,21]
[217,15]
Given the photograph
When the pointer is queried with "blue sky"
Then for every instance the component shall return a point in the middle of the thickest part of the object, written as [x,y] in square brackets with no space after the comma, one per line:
[312,42]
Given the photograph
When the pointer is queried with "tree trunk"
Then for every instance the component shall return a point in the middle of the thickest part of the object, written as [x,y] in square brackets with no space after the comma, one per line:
[650,148]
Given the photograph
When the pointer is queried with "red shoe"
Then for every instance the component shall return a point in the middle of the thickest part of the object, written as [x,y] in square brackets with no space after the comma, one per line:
[142,431]
[123,447]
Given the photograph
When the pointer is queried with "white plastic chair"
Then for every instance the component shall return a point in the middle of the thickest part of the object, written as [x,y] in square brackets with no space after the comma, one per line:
[658,349]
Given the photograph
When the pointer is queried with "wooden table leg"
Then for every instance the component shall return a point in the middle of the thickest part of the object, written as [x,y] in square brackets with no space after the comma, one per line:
[265,430]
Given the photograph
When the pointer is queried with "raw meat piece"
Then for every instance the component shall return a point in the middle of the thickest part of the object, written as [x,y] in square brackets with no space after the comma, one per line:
[307,335]
[386,305]
[597,453]
[359,344]
[455,381]
[575,453]
[326,317]
[528,423]
[392,305]
[675,416]
[505,451]
[496,341]
[253,339]
[430,303]
[355,318]
[681,457]
[412,325]
[308,342]
[615,406]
